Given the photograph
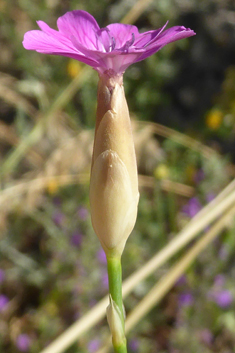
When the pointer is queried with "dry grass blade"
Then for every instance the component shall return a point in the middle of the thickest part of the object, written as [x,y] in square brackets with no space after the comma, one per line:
[222,195]
[168,280]
[167,185]
[135,12]
[8,135]
[78,328]
[9,94]
[204,218]
[180,138]
[40,183]
[184,237]
[177,188]
[34,136]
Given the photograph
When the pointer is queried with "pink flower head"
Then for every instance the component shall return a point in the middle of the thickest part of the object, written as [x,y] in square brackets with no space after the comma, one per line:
[114,47]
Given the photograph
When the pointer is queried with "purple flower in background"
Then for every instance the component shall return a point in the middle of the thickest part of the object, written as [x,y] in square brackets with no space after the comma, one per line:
[3,302]
[76,239]
[223,298]
[134,345]
[199,176]
[23,342]
[206,336]
[105,280]
[83,213]
[223,253]
[219,280]
[185,299]
[192,207]
[101,256]
[210,197]
[114,47]
[2,275]
[93,345]
[57,201]
[182,280]
[58,218]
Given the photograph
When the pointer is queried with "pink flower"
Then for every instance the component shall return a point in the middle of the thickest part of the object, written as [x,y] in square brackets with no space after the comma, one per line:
[23,342]
[114,47]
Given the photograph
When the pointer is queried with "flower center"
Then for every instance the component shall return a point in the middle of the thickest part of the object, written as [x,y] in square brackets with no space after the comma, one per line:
[129,43]
[104,40]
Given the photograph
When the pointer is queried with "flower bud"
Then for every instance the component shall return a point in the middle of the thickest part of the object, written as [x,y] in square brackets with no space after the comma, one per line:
[114,317]
[114,179]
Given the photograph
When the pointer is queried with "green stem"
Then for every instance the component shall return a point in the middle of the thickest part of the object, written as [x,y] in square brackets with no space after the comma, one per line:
[120,349]
[115,280]
[115,290]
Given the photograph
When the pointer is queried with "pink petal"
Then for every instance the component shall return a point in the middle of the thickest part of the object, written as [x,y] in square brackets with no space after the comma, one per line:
[53,44]
[92,54]
[170,35]
[174,33]
[45,28]
[80,25]
[147,37]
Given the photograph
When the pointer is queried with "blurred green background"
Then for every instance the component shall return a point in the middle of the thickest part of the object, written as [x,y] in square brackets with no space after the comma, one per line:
[52,268]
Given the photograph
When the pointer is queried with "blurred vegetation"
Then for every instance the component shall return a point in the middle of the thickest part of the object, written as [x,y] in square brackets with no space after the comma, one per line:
[52,269]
